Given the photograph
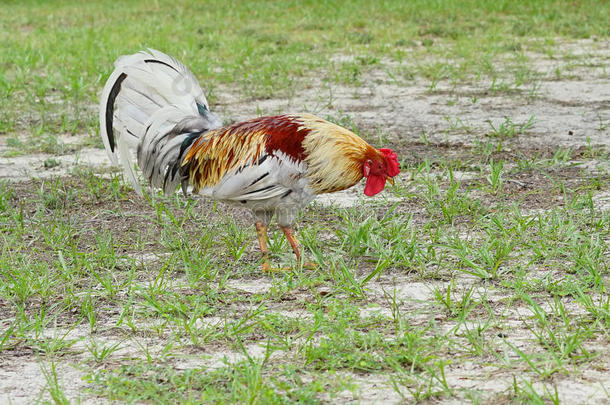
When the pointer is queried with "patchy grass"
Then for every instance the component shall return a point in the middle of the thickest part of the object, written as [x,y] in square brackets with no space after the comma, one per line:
[56,55]
[482,276]
[148,299]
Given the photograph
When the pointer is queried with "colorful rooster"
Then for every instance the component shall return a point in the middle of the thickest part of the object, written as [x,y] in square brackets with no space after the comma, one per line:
[273,165]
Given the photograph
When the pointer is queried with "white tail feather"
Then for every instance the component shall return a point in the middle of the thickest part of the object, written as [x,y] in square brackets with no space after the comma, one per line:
[152,103]
[125,158]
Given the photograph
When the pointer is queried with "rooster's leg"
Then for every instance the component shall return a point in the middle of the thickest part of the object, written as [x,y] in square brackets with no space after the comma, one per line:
[261,234]
[289,232]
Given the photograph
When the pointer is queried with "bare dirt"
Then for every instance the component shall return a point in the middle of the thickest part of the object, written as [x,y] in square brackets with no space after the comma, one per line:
[572,111]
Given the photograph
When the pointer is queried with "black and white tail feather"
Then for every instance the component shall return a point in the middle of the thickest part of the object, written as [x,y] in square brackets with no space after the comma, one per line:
[153,104]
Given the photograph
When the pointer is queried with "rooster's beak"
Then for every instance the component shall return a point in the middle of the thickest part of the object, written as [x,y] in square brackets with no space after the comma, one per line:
[390,179]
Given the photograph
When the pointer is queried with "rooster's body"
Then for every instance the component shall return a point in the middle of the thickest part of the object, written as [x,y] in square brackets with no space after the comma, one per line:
[272,165]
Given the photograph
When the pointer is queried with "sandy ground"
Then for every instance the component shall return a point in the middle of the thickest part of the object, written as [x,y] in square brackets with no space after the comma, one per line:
[567,112]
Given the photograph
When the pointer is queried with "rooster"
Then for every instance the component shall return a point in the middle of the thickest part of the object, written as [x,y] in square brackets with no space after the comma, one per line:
[273,165]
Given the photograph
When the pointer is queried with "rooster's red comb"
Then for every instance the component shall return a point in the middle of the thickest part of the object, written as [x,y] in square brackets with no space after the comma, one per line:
[392,160]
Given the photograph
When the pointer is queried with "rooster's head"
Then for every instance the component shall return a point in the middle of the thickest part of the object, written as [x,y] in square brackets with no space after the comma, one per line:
[379,168]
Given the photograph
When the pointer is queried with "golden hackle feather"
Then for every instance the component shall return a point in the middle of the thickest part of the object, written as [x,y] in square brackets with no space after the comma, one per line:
[334,155]
[221,151]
